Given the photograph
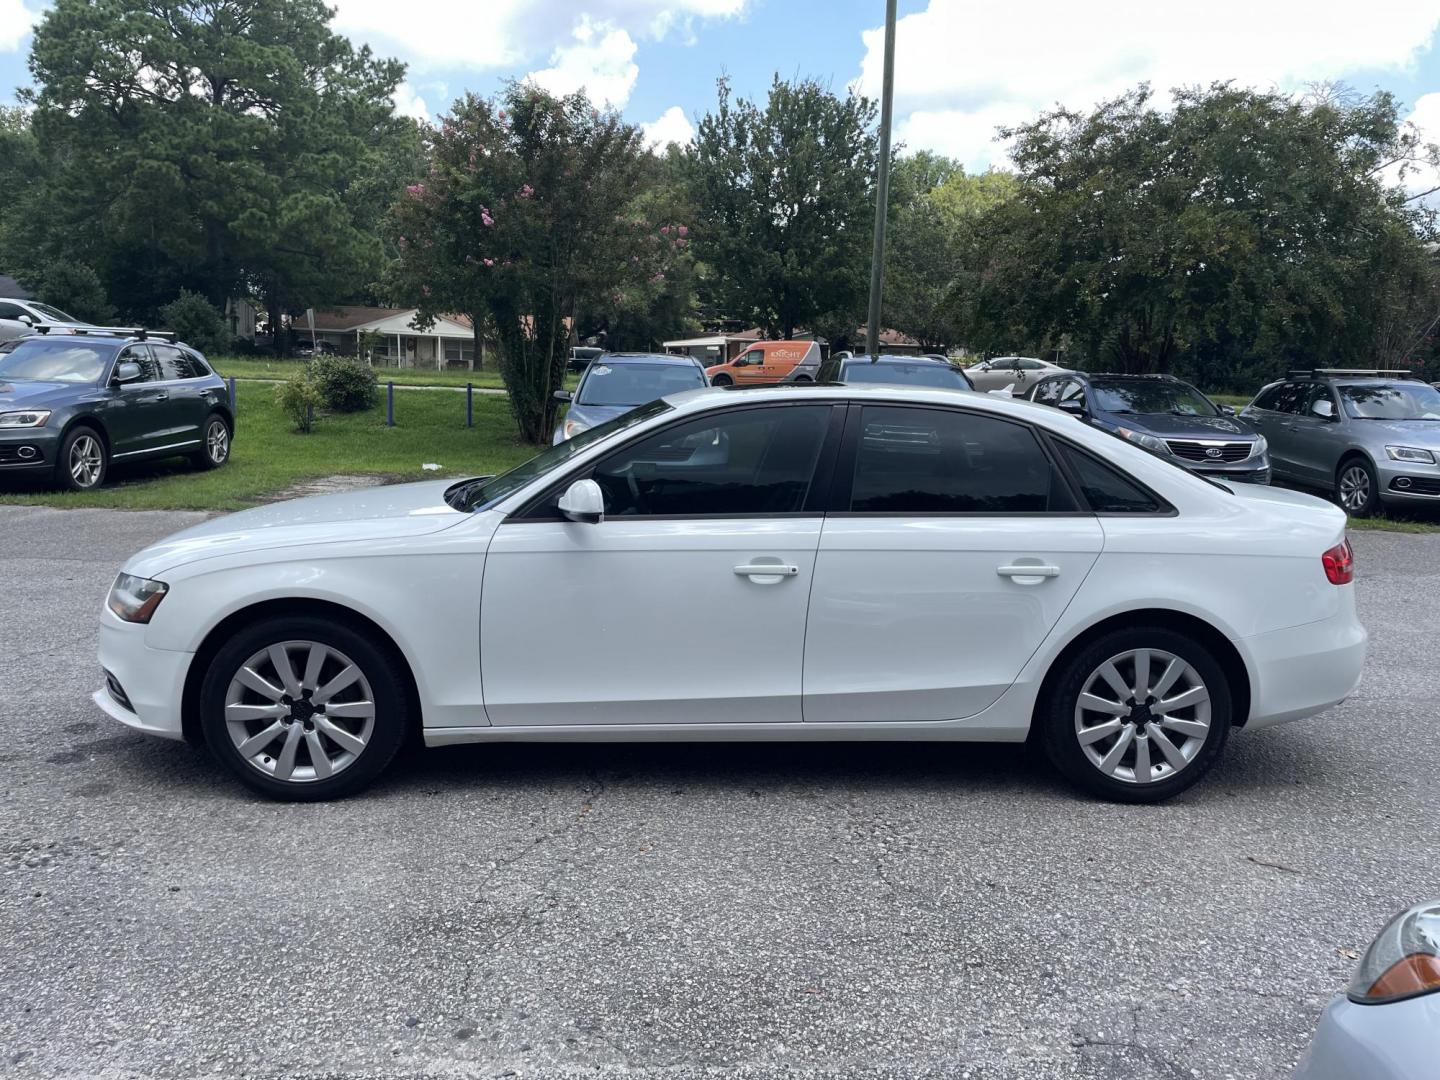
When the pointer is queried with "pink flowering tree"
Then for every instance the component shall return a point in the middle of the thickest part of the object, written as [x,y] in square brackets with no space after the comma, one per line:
[518,224]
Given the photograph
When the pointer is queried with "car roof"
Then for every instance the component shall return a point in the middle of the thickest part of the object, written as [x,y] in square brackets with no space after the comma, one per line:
[894,358]
[645,357]
[704,399]
[93,339]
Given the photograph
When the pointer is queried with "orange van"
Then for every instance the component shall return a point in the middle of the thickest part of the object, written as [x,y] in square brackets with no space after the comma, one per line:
[769,362]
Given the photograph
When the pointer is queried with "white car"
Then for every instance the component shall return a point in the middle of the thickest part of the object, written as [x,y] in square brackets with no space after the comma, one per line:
[1015,373]
[791,563]
[21,317]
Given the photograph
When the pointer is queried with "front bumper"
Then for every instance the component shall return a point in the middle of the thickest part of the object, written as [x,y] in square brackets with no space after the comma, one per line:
[151,681]
[1408,482]
[23,449]
[1374,1042]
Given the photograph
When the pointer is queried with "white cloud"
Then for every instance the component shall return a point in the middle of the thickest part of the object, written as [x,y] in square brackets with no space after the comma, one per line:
[600,61]
[1426,118]
[16,22]
[673,126]
[962,67]
[409,103]
[508,33]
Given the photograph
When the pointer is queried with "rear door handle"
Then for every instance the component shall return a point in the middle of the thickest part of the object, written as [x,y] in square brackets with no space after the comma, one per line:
[1028,575]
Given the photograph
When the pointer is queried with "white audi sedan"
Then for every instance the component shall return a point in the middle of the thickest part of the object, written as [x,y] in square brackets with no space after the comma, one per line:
[790,563]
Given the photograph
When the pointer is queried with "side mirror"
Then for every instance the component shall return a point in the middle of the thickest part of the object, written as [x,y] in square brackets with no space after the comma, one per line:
[1074,406]
[1229,410]
[26,319]
[583,501]
[563,395]
[1324,409]
[127,371]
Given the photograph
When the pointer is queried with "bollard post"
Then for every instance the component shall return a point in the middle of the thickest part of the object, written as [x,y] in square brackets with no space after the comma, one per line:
[389,404]
[231,381]
[469,405]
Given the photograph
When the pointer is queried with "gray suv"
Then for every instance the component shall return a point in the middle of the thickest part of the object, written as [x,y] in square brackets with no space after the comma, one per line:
[1367,436]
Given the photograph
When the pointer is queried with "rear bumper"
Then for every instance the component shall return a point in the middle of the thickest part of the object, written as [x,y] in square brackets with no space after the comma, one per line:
[1373,1042]
[1304,670]
[152,680]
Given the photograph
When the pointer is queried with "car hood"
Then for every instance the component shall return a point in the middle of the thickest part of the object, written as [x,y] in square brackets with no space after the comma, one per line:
[590,416]
[372,514]
[30,395]
[1423,433]
[1169,426]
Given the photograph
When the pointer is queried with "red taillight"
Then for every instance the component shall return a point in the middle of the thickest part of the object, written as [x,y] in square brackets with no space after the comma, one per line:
[1339,564]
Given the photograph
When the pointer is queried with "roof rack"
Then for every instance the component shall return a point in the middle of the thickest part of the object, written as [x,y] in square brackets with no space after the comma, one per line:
[1373,373]
[138,332]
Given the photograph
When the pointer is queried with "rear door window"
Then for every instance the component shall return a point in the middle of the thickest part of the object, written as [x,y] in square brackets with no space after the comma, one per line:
[944,461]
[1107,490]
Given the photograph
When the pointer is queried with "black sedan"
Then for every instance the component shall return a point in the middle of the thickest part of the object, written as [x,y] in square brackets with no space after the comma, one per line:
[71,405]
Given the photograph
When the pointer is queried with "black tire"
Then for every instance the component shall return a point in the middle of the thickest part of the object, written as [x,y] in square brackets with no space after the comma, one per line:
[1058,727]
[722,380]
[82,441]
[1357,488]
[378,666]
[803,378]
[213,453]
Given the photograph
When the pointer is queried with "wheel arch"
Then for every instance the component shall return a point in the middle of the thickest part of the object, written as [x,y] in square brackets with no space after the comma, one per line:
[1224,650]
[222,631]
[90,420]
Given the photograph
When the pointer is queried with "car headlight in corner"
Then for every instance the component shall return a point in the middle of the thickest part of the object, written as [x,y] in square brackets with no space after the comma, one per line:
[28,418]
[575,427]
[1413,454]
[1260,446]
[135,599]
[1403,961]
[1149,442]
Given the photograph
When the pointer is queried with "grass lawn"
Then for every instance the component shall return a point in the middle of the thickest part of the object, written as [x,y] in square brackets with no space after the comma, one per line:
[269,456]
[257,368]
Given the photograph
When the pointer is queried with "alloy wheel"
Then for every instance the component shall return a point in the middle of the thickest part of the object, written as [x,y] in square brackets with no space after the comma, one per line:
[87,459]
[299,711]
[1142,716]
[217,442]
[1354,488]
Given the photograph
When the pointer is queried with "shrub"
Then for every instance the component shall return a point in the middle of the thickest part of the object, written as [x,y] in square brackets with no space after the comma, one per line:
[299,399]
[76,290]
[345,384]
[196,321]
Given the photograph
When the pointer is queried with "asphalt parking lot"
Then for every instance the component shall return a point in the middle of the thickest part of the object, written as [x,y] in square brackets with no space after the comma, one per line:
[686,910]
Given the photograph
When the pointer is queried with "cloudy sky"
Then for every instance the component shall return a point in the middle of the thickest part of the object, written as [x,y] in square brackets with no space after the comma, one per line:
[963,66]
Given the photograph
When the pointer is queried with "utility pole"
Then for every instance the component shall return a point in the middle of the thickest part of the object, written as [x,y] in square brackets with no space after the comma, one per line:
[882,185]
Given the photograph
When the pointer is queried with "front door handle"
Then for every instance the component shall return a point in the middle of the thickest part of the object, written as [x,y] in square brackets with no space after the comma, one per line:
[766,573]
[1028,575]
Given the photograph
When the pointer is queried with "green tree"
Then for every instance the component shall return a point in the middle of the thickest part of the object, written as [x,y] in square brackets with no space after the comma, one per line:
[522,221]
[785,206]
[75,290]
[196,321]
[211,147]
[1235,232]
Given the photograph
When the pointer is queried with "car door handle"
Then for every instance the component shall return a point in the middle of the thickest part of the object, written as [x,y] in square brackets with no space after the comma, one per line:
[766,570]
[162,396]
[1028,575]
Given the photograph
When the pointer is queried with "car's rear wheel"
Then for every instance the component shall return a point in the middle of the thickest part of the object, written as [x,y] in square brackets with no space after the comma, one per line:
[215,444]
[721,380]
[803,378]
[1357,489]
[82,462]
[303,709]
[1138,715]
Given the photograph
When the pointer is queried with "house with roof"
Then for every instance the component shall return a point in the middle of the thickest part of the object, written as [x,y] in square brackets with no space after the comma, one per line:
[396,341]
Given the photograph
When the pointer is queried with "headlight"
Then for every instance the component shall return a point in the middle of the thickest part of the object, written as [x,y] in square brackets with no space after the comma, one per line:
[29,418]
[1404,959]
[1260,446]
[1149,442]
[135,599]
[574,427]
[1397,453]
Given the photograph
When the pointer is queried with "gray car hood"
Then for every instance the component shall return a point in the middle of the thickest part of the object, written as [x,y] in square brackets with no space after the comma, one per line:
[28,394]
[1423,433]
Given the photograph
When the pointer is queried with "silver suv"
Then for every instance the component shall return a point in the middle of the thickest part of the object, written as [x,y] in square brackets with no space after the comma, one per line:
[1368,436]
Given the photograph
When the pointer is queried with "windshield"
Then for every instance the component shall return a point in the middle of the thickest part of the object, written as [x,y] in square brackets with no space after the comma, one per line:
[53,313]
[942,375]
[1145,396]
[1390,401]
[634,384]
[485,491]
[55,360]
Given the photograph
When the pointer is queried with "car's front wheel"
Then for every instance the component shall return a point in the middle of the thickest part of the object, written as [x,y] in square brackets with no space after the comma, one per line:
[215,444]
[303,709]
[1357,489]
[1138,715]
[721,380]
[82,462]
